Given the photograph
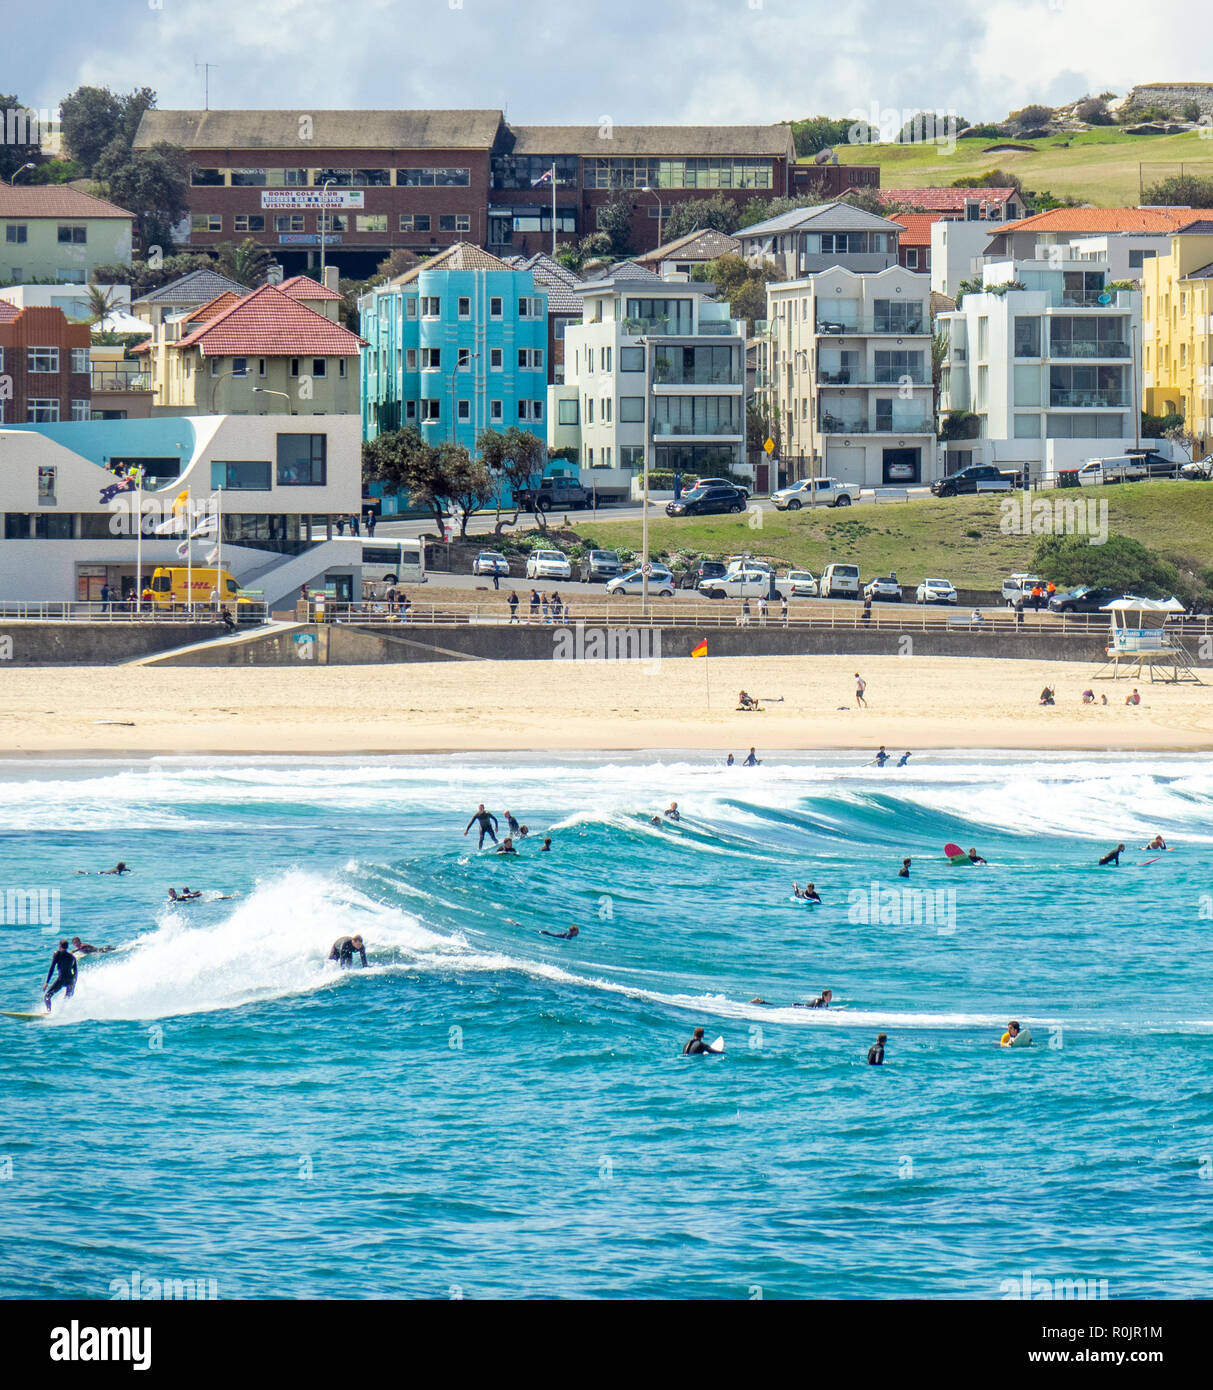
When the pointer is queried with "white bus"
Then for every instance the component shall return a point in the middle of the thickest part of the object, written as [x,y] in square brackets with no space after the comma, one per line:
[387,563]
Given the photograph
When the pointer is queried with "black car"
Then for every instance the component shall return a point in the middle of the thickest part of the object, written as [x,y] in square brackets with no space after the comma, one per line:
[723,482]
[977,477]
[705,569]
[707,501]
[1084,599]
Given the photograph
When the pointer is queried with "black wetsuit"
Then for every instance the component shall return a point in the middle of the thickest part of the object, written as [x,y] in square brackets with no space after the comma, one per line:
[560,935]
[484,818]
[84,949]
[695,1047]
[876,1055]
[513,824]
[1112,857]
[821,1002]
[903,872]
[810,897]
[343,952]
[65,963]
[505,849]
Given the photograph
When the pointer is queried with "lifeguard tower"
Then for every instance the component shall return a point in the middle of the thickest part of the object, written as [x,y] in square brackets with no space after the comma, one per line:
[1141,644]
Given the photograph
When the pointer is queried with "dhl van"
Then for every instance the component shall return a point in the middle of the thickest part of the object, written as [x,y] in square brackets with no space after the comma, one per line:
[175,587]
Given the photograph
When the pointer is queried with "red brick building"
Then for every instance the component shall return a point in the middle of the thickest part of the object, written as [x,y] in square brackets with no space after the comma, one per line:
[44,367]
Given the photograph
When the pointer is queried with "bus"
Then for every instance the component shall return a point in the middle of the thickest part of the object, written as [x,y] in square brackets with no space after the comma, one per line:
[388,563]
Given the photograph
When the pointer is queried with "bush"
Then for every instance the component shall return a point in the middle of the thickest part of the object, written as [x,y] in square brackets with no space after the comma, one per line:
[983,132]
[1029,116]
[1094,111]
[1122,563]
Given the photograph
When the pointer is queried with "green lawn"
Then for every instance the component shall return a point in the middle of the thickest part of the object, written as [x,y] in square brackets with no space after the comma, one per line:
[1098,166]
[958,538]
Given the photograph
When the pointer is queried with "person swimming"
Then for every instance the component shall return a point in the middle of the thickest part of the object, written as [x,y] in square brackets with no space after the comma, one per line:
[82,948]
[821,1002]
[1015,1036]
[1113,855]
[1156,843]
[119,868]
[654,820]
[344,949]
[546,847]
[905,758]
[904,871]
[563,935]
[876,1051]
[808,893]
[696,1047]
[975,858]
[671,811]
[507,846]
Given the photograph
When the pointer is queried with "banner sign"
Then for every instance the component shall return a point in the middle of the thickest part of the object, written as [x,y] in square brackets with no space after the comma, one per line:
[311,198]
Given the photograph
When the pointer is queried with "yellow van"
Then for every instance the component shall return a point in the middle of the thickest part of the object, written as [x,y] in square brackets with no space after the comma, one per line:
[172,588]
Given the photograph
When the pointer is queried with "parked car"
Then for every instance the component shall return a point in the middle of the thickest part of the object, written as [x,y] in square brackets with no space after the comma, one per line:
[738,583]
[1018,586]
[1200,470]
[490,562]
[839,581]
[661,583]
[599,565]
[1123,468]
[886,590]
[798,584]
[1084,599]
[704,569]
[815,492]
[1156,465]
[935,591]
[553,493]
[705,501]
[977,477]
[724,482]
[548,564]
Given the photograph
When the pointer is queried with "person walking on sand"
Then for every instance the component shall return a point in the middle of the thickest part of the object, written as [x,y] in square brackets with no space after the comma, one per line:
[860,686]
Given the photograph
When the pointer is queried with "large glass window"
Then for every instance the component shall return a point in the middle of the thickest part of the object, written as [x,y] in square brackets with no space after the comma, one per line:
[73,235]
[659,316]
[1087,386]
[566,412]
[631,359]
[41,411]
[691,172]
[894,366]
[433,178]
[1027,336]
[302,460]
[243,476]
[696,415]
[1085,335]
[526,170]
[206,178]
[894,316]
[695,366]
[631,410]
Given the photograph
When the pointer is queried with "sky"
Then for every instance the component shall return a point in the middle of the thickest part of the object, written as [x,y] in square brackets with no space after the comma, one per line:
[552,62]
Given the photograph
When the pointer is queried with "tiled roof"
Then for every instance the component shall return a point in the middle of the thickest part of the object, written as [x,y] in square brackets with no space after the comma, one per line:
[1141,220]
[462,256]
[703,244]
[559,281]
[1204,273]
[946,199]
[304,287]
[654,140]
[54,200]
[198,287]
[917,226]
[268,323]
[391,131]
[205,312]
[828,214]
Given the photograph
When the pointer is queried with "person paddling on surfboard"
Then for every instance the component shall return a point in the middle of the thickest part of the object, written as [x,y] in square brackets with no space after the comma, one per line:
[82,948]
[975,858]
[1015,1036]
[696,1047]
[343,951]
[119,868]
[821,1002]
[1156,843]
[1113,856]
[563,935]
[808,893]
[65,964]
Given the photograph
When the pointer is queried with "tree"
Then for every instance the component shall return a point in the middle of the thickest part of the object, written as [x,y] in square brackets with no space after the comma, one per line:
[17,124]
[1184,190]
[1121,563]
[152,184]
[1156,426]
[469,484]
[513,456]
[820,133]
[142,277]
[717,212]
[90,118]
[761,209]
[615,219]
[245,262]
[743,285]
[867,199]
[99,303]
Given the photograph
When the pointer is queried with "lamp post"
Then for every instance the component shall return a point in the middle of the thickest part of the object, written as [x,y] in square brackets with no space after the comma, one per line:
[644,514]
[18,172]
[218,379]
[324,221]
[458,367]
[653,191]
[265,391]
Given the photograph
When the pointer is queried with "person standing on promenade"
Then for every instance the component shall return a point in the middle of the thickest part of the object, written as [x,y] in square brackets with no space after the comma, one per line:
[513,603]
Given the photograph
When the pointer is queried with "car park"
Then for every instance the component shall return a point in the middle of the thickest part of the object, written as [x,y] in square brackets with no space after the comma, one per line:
[935,591]
[600,566]
[661,583]
[548,564]
[708,501]
[885,590]
[701,570]
[490,562]
[839,581]
[815,492]
[798,584]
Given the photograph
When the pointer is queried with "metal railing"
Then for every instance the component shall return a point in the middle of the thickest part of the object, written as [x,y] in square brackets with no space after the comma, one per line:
[119,611]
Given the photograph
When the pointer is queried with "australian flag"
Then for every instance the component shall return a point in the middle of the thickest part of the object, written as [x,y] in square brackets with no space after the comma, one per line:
[545,177]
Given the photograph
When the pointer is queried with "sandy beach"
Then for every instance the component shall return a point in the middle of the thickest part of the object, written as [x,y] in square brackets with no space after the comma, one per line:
[916,703]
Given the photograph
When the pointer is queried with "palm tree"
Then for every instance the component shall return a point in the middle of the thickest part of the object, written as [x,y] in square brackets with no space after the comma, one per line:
[246,262]
[99,303]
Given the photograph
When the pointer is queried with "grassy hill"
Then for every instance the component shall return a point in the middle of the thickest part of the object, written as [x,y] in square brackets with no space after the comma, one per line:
[1097,166]
[957,538]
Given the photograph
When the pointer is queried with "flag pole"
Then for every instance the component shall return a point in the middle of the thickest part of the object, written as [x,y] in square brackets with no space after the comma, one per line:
[189,554]
[553,209]
[139,547]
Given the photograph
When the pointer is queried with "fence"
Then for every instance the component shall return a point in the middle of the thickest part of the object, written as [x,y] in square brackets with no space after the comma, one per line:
[122,612]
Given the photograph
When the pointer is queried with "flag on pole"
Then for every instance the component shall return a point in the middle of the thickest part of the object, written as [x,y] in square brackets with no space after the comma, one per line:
[701,649]
[545,177]
[177,520]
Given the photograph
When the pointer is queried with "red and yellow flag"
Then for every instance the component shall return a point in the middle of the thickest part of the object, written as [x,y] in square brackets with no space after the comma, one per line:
[701,649]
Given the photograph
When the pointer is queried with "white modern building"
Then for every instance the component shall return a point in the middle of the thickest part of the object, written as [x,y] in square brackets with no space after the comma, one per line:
[957,253]
[652,360]
[848,372]
[1045,358]
[283,480]
[809,239]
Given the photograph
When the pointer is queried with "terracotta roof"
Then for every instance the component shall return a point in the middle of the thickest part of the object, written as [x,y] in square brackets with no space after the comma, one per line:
[391,131]
[304,287]
[205,312]
[655,140]
[198,287]
[946,199]
[917,226]
[53,200]
[704,244]
[268,323]
[462,256]
[1077,220]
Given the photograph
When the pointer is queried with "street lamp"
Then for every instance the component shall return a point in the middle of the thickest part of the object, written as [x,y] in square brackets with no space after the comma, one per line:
[18,172]
[653,191]
[265,391]
[458,367]
[219,378]
[324,223]
[644,514]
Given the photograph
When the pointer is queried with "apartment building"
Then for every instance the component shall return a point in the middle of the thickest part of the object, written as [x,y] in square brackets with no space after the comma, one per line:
[848,376]
[655,367]
[914,244]
[44,366]
[564,303]
[1030,237]
[51,232]
[806,240]
[1044,358]
[689,253]
[987,203]
[179,296]
[1177,332]
[457,345]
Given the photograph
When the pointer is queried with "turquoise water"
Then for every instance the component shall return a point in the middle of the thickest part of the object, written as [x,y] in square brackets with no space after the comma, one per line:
[493,1113]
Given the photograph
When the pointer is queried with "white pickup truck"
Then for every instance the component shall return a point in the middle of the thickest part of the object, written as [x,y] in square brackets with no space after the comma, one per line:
[815,492]
[741,583]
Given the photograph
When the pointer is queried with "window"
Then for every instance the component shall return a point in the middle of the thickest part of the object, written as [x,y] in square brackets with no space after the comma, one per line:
[208,221]
[41,412]
[911,258]
[530,410]
[606,410]
[82,410]
[631,456]
[589,361]
[1027,336]
[431,410]
[248,178]
[332,222]
[495,359]
[455,222]
[631,410]
[410,307]
[431,359]
[249,222]
[464,359]
[16,234]
[207,178]
[464,308]
[530,359]
[302,460]
[606,359]
[320,366]
[495,413]
[80,364]
[433,178]
[72,235]
[589,410]
[42,359]
[261,366]
[566,412]
[371,222]
[289,222]
[530,308]
[414,221]
[251,476]
[431,306]
[294,367]
[240,366]
[1027,427]
[495,307]
[410,359]
[631,359]
[410,410]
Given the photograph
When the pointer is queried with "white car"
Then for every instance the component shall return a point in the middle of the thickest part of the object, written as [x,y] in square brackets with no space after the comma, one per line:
[1018,586]
[490,562]
[935,591]
[798,584]
[661,583]
[548,564]
[738,583]
[1198,469]
[815,492]
[886,590]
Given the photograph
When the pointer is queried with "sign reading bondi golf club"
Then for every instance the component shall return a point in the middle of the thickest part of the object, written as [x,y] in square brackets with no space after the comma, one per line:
[311,198]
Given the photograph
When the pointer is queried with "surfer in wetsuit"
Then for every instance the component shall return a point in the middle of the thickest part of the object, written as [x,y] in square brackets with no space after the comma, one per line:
[821,1002]
[511,822]
[343,951]
[65,963]
[881,758]
[975,858]
[696,1046]
[82,948]
[563,935]
[487,822]
[905,758]
[1113,855]
[546,847]
[1015,1036]
[752,760]
[808,893]
[507,847]
[876,1051]
[671,811]
[904,871]
[120,868]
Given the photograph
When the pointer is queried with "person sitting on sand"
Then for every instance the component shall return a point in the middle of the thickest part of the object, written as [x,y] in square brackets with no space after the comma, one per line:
[1134,699]
[1046,696]
[745,701]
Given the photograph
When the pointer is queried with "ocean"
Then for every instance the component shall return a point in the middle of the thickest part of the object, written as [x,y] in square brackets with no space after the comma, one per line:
[488,1112]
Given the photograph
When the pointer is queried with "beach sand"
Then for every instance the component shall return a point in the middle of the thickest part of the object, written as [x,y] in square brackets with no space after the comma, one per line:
[914,702]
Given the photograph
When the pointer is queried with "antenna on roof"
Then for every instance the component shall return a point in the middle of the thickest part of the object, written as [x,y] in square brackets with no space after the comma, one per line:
[206,82]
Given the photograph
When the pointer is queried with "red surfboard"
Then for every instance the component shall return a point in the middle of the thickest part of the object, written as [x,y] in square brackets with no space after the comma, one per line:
[956,854]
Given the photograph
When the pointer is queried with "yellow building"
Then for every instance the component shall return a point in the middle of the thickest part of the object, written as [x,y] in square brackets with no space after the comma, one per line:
[1177,332]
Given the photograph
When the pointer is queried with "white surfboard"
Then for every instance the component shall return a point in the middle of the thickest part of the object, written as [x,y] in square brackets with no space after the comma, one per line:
[718,1045]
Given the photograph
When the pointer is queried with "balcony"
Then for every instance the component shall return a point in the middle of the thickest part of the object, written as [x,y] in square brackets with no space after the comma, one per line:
[1111,350]
[121,379]
[868,376]
[831,424]
[1089,400]
[865,324]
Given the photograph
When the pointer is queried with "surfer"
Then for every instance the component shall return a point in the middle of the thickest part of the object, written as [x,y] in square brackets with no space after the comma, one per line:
[1015,1036]
[728,762]
[82,948]
[119,868]
[546,847]
[808,893]
[64,963]
[821,1002]
[671,811]
[511,822]
[696,1046]
[487,822]
[753,760]
[563,935]
[654,820]
[1156,843]
[507,846]
[905,758]
[876,1051]
[975,858]
[904,871]
[343,951]
[881,758]
[1113,856]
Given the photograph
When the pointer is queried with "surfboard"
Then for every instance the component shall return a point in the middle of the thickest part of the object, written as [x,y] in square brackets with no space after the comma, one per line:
[25,1018]
[956,854]
[810,902]
[718,1045]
